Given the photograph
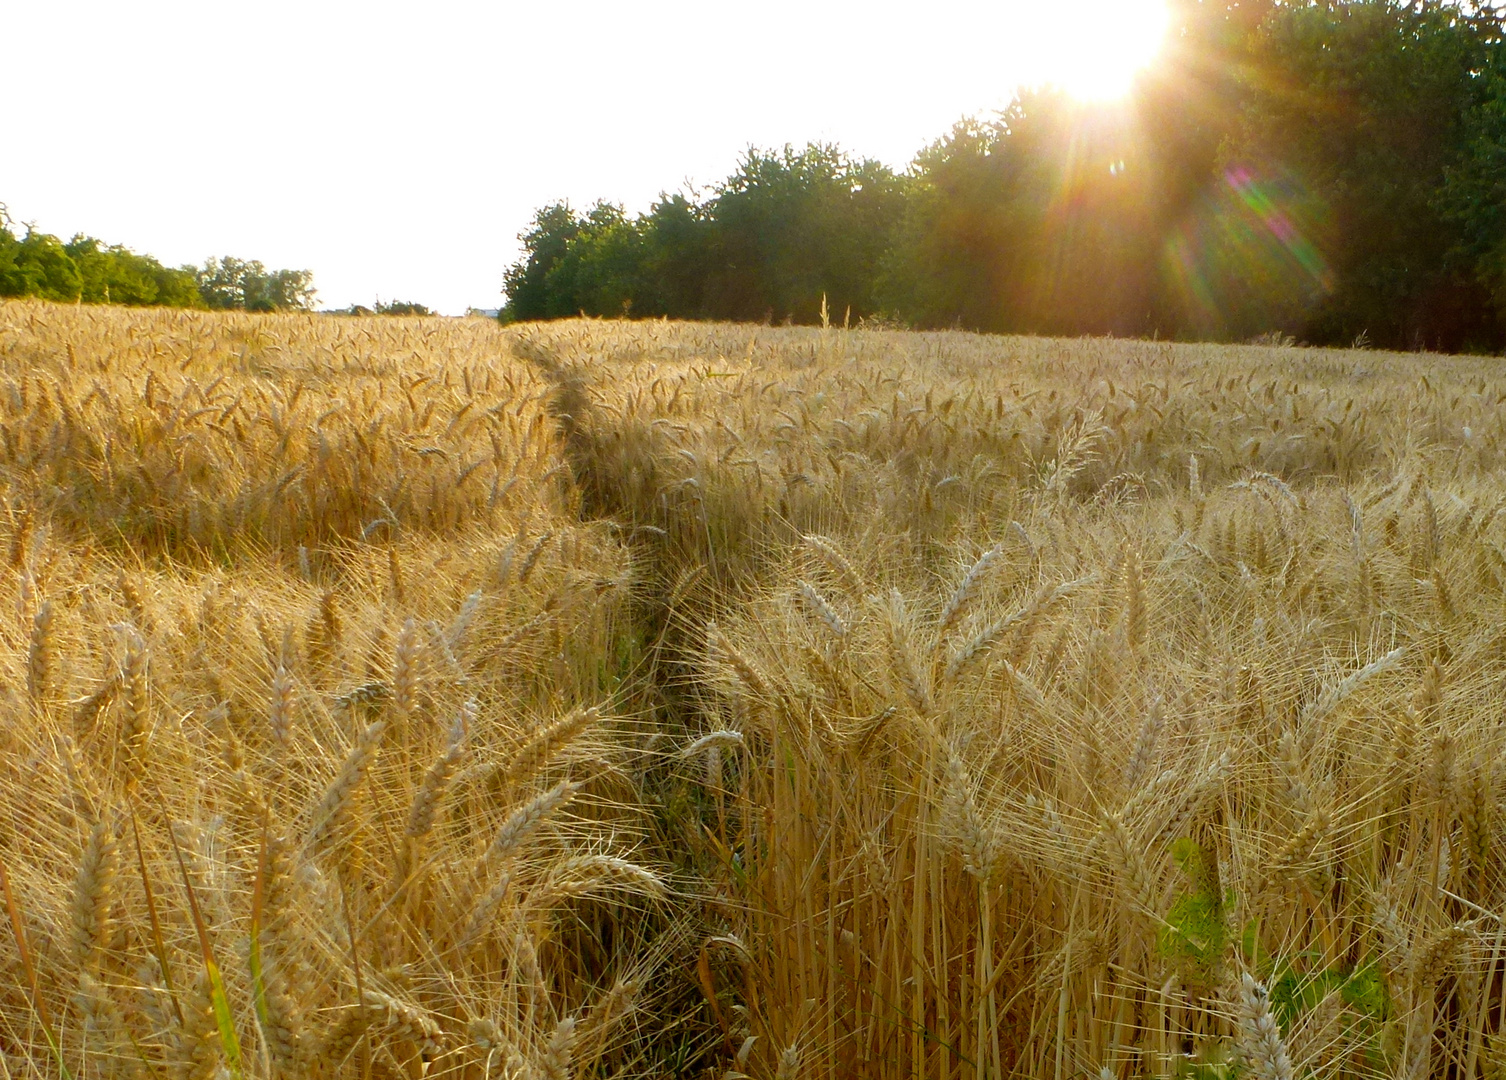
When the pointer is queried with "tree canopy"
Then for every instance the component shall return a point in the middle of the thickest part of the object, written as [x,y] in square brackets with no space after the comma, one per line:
[1330,169]
[787,228]
[234,284]
[88,271]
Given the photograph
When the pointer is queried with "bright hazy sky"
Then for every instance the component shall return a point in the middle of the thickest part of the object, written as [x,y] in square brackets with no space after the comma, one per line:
[397,149]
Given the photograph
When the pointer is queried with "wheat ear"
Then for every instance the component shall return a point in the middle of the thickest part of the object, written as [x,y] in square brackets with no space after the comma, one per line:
[93,894]
[1132,876]
[832,555]
[137,722]
[334,808]
[281,987]
[820,608]
[1135,606]
[581,874]
[902,658]
[531,560]
[967,591]
[198,1049]
[1333,695]
[436,781]
[1147,746]
[747,672]
[405,676]
[280,712]
[522,822]
[39,655]
[483,914]
[542,746]
[1260,1045]
[557,1052]
[977,841]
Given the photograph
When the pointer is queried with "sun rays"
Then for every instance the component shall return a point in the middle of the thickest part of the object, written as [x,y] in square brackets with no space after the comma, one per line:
[1094,50]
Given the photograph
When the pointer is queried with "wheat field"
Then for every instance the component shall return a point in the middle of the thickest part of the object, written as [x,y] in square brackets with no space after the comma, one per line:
[419,697]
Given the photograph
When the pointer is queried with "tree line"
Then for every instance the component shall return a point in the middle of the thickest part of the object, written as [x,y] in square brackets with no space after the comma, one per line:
[88,271]
[1331,170]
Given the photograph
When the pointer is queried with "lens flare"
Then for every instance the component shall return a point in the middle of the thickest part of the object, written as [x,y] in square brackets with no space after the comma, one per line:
[1250,259]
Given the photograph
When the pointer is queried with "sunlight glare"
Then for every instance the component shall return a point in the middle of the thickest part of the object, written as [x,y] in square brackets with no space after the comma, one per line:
[1093,49]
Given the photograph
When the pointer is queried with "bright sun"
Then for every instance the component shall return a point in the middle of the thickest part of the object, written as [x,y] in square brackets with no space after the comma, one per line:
[1093,49]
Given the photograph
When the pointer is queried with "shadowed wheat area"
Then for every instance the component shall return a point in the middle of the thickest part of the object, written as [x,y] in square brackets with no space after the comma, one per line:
[401,697]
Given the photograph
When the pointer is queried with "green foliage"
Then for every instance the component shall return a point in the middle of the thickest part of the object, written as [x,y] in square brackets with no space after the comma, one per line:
[1474,197]
[117,275]
[1197,935]
[402,307]
[389,307]
[1039,220]
[1299,983]
[88,271]
[1371,105]
[680,258]
[235,284]
[1328,169]
[527,282]
[767,243]
[792,226]
[1213,1061]
[600,270]
[1196,930]
[84,270]
[35,265]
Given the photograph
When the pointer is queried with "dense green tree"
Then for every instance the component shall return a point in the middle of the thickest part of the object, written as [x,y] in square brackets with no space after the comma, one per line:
[116,275]
[952,256]
[35,264]
[177,287]
[402,307]
[527,281]
[1367,109]
[1474,197]
[88,271]
[795,226]
[601,271]
[236,284]
[782,232]
[679,258]
[1040,220]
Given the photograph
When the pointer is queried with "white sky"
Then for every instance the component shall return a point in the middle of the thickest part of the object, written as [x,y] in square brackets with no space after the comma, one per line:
[397,149]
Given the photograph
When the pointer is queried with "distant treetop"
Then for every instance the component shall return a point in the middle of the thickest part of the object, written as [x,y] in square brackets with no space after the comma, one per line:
[233,284]
[384,307]
[88,271]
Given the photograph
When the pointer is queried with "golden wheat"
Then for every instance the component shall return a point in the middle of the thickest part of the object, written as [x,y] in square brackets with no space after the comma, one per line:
[423,697]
